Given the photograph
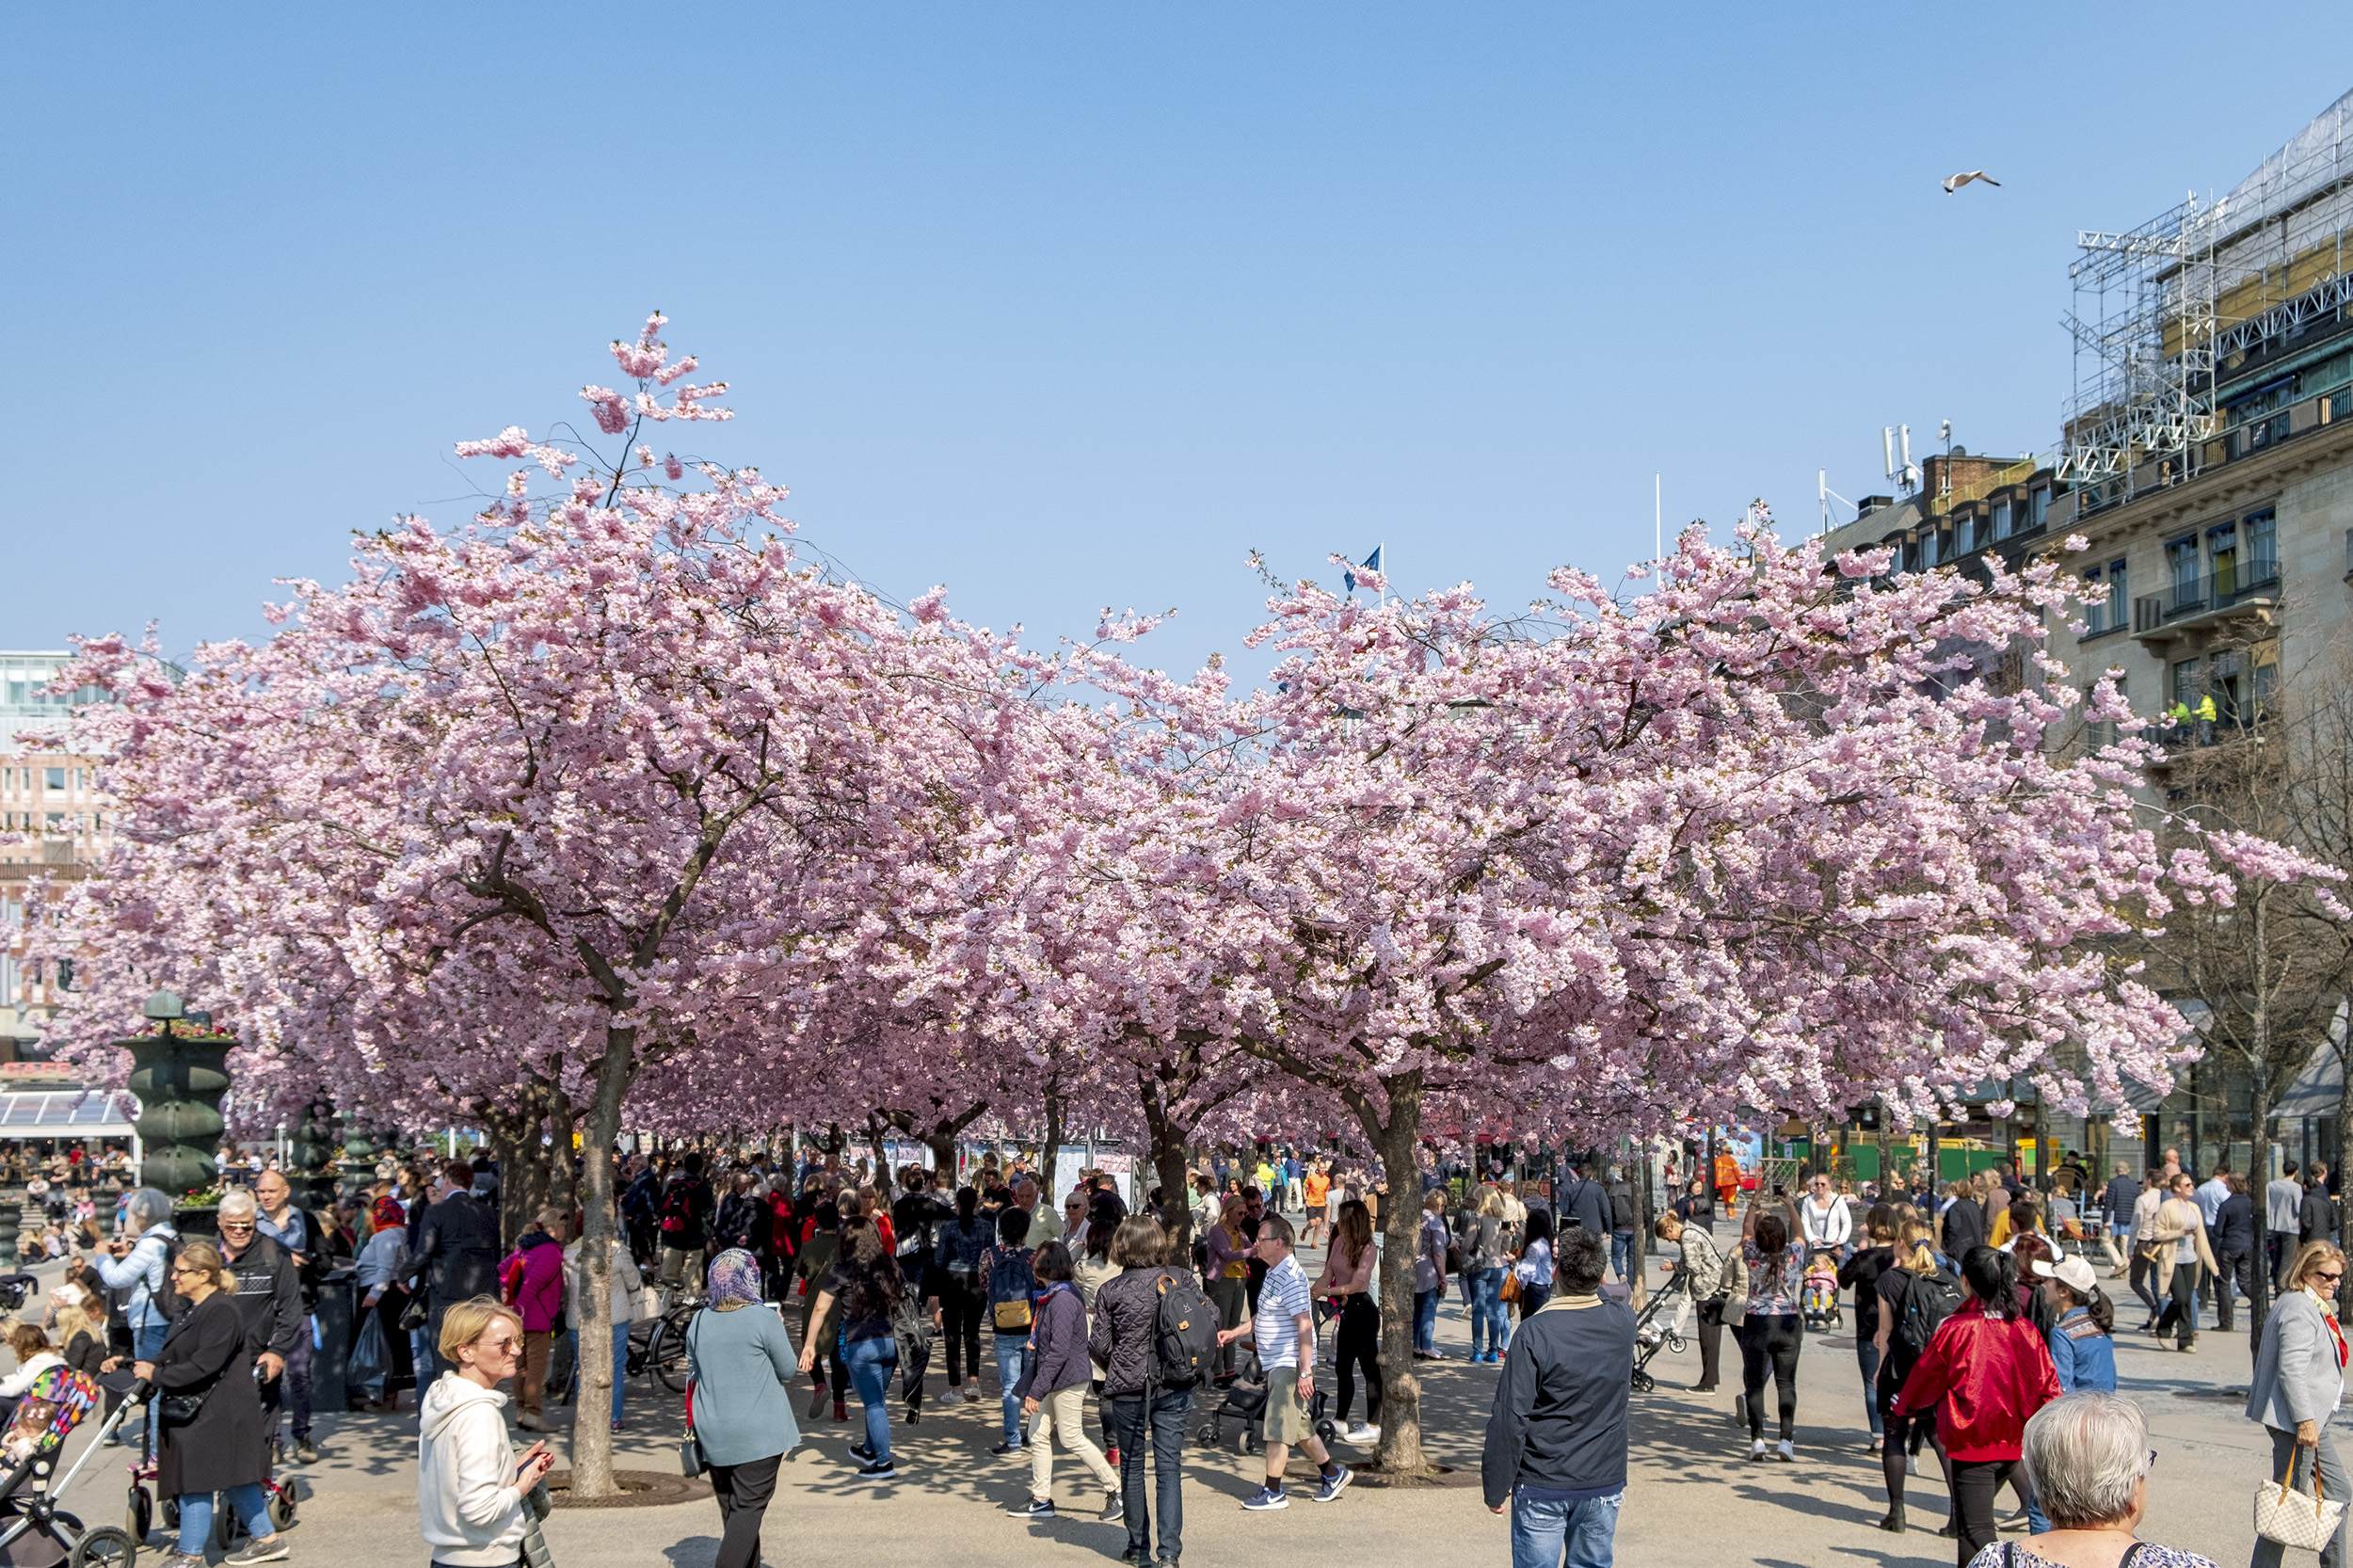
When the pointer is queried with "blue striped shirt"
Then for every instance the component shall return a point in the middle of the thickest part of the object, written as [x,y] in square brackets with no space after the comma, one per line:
[1282,1301]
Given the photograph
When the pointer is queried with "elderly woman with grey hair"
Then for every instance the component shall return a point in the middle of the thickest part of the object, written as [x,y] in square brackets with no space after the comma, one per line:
[137,1261]
[2088,1457]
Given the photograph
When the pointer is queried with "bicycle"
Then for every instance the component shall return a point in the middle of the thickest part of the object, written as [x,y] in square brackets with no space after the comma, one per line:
[659,1348]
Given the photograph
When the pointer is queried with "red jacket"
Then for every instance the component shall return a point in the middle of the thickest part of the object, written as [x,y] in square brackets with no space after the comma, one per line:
[1991,1375]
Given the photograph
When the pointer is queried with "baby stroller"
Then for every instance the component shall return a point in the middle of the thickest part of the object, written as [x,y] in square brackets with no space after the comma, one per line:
[1245,1402]
[1651,1336]
[34,1533]
[1817,1298]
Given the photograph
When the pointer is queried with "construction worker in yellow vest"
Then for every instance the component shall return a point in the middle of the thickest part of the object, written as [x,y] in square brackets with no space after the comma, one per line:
[2205,719]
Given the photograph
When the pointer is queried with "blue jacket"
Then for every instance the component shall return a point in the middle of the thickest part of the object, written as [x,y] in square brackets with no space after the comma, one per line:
[742,1362]
[2084,1356]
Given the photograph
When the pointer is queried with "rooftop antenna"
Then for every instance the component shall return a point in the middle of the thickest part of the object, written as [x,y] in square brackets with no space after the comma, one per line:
[1895,455]
[1821,484]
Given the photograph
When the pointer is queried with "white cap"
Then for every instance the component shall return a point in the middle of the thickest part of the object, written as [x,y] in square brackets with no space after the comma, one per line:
[2073,1272]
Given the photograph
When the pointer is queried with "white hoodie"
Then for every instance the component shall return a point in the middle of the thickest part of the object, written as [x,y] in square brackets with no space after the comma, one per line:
[467,1505]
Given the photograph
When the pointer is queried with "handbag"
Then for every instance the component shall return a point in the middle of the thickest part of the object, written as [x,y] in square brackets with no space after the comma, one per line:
[2286,1515]
[178,1410]
[415,1315]
[691,1460]
[1509,1289]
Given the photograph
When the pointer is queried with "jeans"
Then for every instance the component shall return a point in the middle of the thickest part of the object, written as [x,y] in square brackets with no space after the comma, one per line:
[1564,1535]
[1426,1322]
[1621,1253]
[297,1377]
[1483,1305]
[1976,1485]
[870,1363]
[1013,1359]
[1771,1342]
[1532,1299]
[1866,1358]
[2234,1276]
[147,1343]
[743,1491]
[249,1502]
[2333,1483]
[1168,1411]
[620,1364]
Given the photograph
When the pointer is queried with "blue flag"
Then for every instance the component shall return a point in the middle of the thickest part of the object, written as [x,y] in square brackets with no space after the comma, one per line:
[1373,560]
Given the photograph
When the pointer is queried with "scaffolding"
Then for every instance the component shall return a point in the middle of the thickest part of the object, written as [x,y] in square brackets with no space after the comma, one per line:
[2164,311]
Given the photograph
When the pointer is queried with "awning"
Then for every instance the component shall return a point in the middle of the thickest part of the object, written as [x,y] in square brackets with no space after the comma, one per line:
[66,1113]
[2315,1091]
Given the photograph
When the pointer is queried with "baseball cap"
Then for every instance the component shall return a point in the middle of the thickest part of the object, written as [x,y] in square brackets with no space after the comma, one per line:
[2073,1272]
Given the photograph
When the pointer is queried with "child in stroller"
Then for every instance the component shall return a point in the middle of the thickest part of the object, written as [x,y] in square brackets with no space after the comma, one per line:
[1817,1298]
[34,1533]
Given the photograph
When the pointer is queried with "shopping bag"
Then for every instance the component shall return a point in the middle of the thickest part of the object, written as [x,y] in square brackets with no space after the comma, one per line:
[370,1357]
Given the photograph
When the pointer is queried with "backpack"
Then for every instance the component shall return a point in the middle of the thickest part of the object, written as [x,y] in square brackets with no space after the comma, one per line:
[1184,1331]
[511,1277]
[678,1206]
[1928,1300]
[1011,1285]
[166,1300]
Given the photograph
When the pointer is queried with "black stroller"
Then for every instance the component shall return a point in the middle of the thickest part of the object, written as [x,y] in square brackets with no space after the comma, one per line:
[1245,1399]
[1651,1336]
[34,1533]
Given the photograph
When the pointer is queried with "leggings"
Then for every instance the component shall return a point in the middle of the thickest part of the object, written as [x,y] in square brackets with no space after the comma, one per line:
[1904,1436]
[1770,1341]
[1976,1484]
[1357,1342]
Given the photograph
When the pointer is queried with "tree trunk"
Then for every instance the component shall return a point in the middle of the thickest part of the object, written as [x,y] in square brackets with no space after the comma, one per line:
[563,1180]
[592,1440]
[2258,1180]
[2345,1146]
[1168,1163]
[1399,1453]
[1048,1161]
[876,1126]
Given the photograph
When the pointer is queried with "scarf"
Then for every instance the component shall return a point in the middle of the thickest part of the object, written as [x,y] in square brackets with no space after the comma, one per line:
[734,1280]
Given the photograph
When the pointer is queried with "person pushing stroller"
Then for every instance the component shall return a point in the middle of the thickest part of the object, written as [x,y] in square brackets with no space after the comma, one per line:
[1283,1329]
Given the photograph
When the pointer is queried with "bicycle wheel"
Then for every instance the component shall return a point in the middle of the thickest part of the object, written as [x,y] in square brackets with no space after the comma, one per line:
[668,1355]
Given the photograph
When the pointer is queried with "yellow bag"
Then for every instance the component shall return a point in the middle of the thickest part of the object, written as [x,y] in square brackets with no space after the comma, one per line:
[1012,1315]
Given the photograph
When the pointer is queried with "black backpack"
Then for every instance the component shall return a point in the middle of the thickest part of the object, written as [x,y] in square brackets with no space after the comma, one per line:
[166,1300]
[1184,1337]
[1928,1301]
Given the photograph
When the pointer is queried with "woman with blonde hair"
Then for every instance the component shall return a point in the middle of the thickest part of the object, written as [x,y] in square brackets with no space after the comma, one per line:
[220,1444]
[1483,1277]
[2299,1380]
[1348,1274]
[1914,1259]
[471,1484]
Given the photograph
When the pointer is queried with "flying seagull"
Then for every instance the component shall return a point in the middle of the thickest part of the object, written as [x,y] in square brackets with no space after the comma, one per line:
[1960,180]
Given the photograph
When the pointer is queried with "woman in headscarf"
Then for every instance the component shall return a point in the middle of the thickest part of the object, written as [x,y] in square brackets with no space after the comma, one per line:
[383,1261]
[738,1405]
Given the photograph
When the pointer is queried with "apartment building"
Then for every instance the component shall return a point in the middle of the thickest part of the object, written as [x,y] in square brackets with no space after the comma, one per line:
[54,823]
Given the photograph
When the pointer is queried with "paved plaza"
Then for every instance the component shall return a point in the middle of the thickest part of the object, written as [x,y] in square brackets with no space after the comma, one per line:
[1693,1498]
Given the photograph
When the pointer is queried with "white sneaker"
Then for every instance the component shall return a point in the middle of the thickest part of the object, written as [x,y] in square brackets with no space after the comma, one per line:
[1364,1437]
[1757,1449]
[1785,1451]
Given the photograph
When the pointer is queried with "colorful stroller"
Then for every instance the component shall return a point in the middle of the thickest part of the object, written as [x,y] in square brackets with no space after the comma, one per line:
[1817,1298]
[34,1533]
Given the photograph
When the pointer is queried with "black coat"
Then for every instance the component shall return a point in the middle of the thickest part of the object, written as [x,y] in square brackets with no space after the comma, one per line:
[1124,1340]
[269,1296]
[2319,1217]
[2235,1224]
[457,1250]
[1965,1227]
[227,1444]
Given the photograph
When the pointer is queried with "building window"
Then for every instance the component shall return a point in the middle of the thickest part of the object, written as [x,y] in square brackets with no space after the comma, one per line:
[2118,603]
[2262,538]
[2096,598]
[2181,563]
[2266,684]
[2185,682]
[2038,506]
[2001,520]
[56,779]
[2226,688]
[1965,535]
[1928,548]
[55,823]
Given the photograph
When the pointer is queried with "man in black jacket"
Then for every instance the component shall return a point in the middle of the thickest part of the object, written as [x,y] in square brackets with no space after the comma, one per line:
[1557,1438]
[457,1253]
[270,1294]
[2318,1222]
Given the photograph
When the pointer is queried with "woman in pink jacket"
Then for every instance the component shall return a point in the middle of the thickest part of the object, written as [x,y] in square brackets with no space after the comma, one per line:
[531,1279]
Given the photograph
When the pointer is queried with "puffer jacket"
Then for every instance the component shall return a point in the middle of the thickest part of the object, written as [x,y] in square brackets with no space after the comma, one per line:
[1058,1350]
[1124,1341]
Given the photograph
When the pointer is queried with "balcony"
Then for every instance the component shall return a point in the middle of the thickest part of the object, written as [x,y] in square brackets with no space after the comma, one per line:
[2250,588]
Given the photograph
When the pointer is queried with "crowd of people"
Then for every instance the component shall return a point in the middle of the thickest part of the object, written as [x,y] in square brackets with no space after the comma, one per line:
[1983,1337]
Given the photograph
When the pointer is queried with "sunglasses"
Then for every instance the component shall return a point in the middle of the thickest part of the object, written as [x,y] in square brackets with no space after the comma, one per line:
[236,1225]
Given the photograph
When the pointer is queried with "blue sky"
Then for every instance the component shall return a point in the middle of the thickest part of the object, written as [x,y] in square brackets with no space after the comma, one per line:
[1065,305]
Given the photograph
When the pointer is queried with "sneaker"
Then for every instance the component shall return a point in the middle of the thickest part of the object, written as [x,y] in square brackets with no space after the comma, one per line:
[862,1451]
[1266,1498]
[1114,1508]
[1757,1449]
[1741,1410]
[1033,1508]
[915,1415]
[1362,1436]
[2190,1349]
[817,1403]
[1331,1486]
[1785,1451]
[185,1560]
[269,1548]
[306,1450]
[1009,1450]
[878,1469]
[530,1422]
